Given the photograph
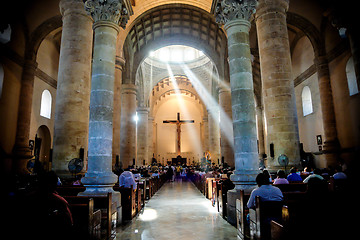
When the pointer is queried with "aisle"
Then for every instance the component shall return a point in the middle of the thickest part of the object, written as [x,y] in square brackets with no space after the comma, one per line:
[178,211]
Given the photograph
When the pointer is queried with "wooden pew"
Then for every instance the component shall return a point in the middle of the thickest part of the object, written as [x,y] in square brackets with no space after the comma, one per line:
[222,199]
[261,216]
[215,193]
[138,200]
[242,211]
[107,207]
[209,188]
[87,221]
[142,186]
[148,189]
[128,202]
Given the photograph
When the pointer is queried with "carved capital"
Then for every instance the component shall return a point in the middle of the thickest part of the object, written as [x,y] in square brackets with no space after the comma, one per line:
[229,10]
[115,11]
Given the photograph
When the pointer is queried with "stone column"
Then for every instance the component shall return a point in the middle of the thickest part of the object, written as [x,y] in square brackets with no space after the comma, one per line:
[150,135]
[331,144]
[73,86]
[205,134]
[128,124]
[214,134]
[119,66]
[277,81]
[142,136]
[236,17]
[22,152]
[107,16]
[260,133]
[226,129]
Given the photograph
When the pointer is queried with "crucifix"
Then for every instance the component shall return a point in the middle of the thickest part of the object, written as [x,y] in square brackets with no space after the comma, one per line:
[178,123]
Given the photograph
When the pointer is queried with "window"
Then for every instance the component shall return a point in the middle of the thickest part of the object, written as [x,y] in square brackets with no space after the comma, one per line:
[351,77]
[45,107]
[306,101]
[176,54]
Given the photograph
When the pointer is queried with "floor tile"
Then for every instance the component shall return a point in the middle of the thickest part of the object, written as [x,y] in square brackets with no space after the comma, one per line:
[177,211]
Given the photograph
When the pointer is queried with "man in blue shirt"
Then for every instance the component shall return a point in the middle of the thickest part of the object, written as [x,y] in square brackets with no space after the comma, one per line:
[265,191]
[293,176]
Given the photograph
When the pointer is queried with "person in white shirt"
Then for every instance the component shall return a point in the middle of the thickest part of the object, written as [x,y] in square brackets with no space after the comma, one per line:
[265,191]
[316,174]
[127,179]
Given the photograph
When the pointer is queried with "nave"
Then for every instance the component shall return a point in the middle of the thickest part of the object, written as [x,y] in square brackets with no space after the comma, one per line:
[177,211]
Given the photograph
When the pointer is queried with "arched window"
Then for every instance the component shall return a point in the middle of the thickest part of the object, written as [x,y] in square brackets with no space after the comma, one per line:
[306,101]
[45,108]
[351,77]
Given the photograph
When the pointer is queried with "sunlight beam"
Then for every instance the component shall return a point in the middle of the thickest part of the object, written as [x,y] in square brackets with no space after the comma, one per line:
[196,141]
[209,101]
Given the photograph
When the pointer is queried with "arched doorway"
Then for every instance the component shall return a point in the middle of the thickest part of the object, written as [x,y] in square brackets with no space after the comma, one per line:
[42,146]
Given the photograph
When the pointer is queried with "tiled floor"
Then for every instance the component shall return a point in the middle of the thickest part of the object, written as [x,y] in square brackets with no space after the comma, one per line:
[178,211]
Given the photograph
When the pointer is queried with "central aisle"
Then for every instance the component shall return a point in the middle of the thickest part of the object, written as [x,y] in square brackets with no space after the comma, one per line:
[178,211]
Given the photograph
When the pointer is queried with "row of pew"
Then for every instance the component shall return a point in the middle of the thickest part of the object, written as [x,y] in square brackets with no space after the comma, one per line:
[272,219]
[215,190]
[301,215]
[97,217]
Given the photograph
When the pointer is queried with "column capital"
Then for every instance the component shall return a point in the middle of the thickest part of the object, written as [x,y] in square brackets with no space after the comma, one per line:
[229,10]
[129,88]
[115,11]
[120,61]
[143,109]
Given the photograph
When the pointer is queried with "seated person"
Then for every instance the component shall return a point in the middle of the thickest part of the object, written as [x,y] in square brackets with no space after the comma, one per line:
[127,179]
[137,175]
[293,176]
[339,173]
[317,174]
[281,177]
[265,191]
[155,174]
[225,180]
[267,174]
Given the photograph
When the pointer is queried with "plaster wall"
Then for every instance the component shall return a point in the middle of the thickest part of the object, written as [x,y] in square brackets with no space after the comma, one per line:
[346,107]
[310,125]
[48,62]
[190,133]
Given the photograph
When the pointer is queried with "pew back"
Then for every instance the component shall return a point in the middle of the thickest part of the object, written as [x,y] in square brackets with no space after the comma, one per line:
[261,217]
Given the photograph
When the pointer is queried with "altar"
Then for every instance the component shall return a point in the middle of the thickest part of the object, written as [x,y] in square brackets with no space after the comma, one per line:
[178,160]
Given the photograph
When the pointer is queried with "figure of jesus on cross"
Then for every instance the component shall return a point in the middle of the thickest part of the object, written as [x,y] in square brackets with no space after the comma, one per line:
[178,123]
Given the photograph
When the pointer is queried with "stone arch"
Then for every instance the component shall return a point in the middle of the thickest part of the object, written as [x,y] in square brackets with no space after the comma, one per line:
[309,30]
[174,24]
[43,146]
[38,35]
[185,87]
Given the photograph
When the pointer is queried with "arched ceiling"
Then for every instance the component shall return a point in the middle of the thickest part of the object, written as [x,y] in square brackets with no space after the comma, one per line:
[169,25]
[166,87]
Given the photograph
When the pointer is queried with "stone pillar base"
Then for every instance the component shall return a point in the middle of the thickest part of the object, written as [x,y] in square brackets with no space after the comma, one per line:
[99,185]
[244,179]
[102,191]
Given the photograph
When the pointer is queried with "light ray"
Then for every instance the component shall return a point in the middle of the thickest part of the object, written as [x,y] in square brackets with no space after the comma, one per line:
[195,137]
[209,101]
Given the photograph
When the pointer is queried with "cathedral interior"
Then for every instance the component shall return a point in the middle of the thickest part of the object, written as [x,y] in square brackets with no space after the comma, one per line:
[246,82]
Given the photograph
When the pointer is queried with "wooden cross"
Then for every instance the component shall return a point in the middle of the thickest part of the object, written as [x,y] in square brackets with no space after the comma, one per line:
[178,123]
